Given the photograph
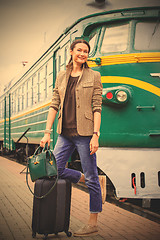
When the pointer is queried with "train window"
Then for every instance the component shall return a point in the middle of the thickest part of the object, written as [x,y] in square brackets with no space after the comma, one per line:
[1,110]
[15,101]
[34,89]
[67,55]
[59,63]
[115,39]
[19,99]
[22,97]
[147,36]
[29,90]
[12,103]
[93,41]
[62,58]
[25,95]
[42,84]
[38,86]
[50,78]
[45,80]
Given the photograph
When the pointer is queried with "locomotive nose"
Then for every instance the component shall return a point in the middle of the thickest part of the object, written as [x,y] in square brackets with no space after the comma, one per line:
[119,95]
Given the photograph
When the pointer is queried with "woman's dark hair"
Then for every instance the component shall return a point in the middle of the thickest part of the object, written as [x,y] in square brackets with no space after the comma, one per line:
[73,46]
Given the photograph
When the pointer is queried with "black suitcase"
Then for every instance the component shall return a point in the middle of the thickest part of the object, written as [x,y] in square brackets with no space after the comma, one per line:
[52,213]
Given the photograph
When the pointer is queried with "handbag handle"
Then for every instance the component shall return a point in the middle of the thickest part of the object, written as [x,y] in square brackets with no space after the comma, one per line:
[45,195]
[46,147]
[41,149]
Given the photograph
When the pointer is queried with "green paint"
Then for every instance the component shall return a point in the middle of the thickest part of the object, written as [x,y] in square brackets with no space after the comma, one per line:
[127,125]
[4,143]
[134,123]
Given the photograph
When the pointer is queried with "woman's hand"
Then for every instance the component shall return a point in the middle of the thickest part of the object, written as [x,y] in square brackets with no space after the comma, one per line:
[94,144]
[45,139]
[50,120]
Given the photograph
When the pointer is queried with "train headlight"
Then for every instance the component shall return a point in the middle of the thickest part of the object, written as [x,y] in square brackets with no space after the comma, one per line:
[121,96]
[109,95]
[116,96]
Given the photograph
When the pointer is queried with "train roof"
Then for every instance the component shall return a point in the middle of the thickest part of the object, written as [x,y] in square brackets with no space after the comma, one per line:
[110,12]
[43,50]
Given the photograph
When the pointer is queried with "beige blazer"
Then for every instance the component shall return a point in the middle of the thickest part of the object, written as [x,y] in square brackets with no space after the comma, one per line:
[88,99]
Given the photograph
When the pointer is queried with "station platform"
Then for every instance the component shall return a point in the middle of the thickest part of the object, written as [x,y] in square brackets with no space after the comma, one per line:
[16,203]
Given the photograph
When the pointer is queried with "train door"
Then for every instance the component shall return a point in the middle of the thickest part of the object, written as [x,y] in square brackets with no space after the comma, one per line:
[56,60]
[7,123]
[60,59]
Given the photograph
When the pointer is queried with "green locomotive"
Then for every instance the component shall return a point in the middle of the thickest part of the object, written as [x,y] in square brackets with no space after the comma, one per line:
[125,49]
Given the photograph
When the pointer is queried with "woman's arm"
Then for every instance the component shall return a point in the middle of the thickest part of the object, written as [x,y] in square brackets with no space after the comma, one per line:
[94,144]
[97,93]
[97,106]
[50,120]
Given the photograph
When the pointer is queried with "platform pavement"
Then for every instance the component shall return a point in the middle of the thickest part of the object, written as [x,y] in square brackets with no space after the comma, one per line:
[16,212]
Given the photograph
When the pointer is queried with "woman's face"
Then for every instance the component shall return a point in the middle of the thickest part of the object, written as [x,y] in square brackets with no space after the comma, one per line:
[79,53]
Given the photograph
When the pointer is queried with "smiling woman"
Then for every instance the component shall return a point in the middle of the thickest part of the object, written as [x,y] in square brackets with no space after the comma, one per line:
[129,66]
[23,37]
[78,92]
[79,52]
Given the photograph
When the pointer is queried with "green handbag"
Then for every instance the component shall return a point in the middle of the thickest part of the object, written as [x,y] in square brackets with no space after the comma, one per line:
[42,164]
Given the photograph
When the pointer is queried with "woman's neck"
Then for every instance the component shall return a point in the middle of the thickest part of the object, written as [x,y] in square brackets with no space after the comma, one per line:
[77,70]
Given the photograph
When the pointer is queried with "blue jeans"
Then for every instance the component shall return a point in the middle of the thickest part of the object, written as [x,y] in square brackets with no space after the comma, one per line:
[64,147]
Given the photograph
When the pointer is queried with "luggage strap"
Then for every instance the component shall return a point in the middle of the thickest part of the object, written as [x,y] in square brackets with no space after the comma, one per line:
[43,196]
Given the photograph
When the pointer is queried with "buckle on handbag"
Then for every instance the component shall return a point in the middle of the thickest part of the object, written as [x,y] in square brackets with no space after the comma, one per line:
[51,162]
[36,162]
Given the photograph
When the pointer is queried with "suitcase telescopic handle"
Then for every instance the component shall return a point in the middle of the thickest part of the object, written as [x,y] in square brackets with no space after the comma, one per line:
[45,195]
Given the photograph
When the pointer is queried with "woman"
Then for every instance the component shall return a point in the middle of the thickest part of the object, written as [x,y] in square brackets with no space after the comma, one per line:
[78,97]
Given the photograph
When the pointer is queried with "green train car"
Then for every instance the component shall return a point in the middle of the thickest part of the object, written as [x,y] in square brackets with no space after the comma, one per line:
[125,49]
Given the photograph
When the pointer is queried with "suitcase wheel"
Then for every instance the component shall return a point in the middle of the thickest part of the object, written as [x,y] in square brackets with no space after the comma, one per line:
[69,234]
[33,234]
[45,236]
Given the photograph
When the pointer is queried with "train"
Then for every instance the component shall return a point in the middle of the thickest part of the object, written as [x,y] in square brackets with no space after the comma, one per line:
[125,49]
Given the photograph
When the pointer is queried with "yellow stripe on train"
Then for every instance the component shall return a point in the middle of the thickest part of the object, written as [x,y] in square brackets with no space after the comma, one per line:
[127,58]
[131,81]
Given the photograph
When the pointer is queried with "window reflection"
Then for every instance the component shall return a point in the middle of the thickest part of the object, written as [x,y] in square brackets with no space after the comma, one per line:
[93,40]
[50,78]
[115,39]
[147,36]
